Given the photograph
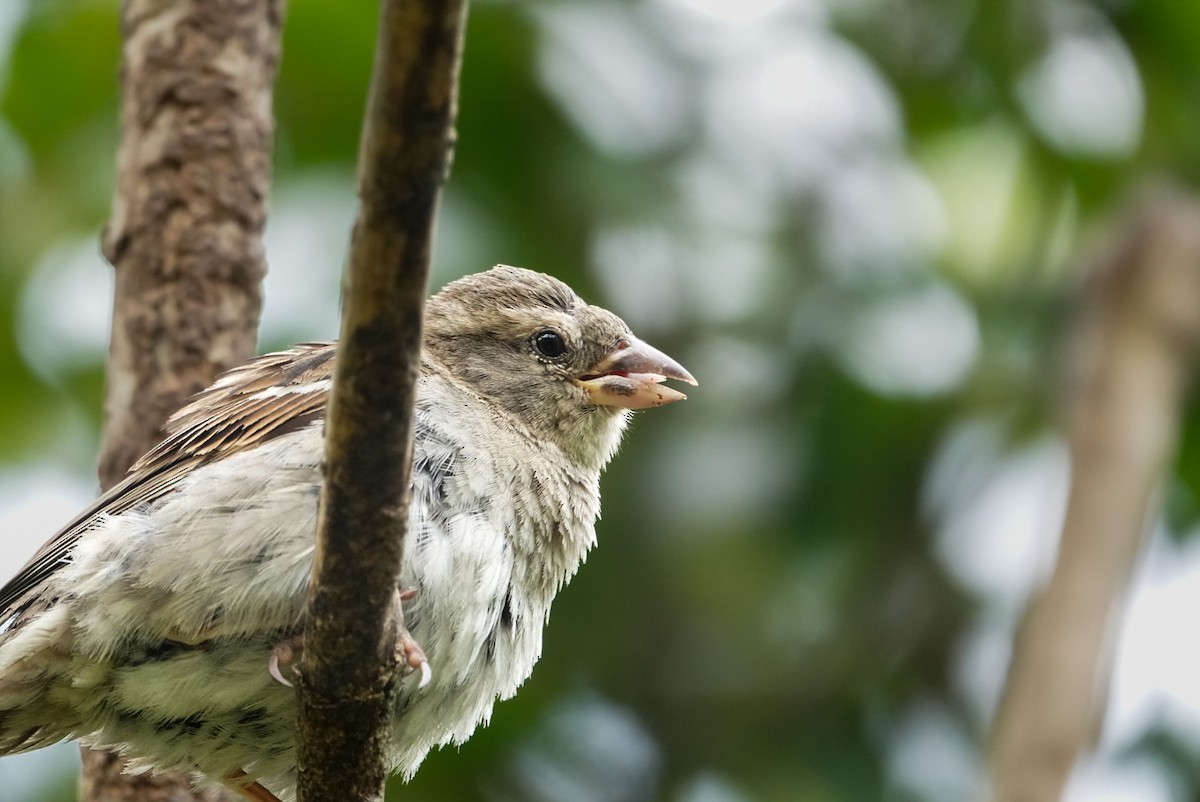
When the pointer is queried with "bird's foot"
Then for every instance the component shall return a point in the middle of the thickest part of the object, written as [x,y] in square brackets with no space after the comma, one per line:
[412,657]
[408,652]
[282,655]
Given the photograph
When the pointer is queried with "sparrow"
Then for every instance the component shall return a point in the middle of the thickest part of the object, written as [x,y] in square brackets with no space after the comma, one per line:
[160,621]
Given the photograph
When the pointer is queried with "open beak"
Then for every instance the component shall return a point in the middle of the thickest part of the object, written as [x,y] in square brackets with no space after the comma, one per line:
[631,376]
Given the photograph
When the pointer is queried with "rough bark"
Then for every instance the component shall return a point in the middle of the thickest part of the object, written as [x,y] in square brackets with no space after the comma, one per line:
[186,229]
[1137,343]
[346,677]
[185,239]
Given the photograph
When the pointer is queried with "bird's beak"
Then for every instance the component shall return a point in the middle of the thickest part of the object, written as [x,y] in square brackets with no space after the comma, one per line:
[631,376]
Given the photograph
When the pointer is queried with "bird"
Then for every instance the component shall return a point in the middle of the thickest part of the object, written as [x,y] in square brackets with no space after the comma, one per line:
[160,621]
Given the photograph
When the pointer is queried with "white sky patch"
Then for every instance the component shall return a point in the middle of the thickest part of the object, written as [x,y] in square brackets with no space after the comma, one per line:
[613,79]
[721,477]
[1102,779]
[655,277]
[1085,96]
[980,666]
[307,239]
[718,196]
[64,318]
[999,514]
[920,342]
[786,110]
[710,787]
[710,31]
[33,776]
[587,749]
[35,502]
[12,14]
[729,277]
[1158,653]
[741,364]
[724,11]
[878,214]
[15,162]
[640,270]
[932,758]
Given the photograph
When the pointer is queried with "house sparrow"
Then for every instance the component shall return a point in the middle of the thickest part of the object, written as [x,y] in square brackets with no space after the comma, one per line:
[153,623]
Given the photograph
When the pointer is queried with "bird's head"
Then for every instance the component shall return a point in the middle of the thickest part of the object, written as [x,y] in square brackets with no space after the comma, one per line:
[568,370]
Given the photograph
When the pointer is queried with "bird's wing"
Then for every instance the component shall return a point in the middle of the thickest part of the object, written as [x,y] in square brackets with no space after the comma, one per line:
[267,397]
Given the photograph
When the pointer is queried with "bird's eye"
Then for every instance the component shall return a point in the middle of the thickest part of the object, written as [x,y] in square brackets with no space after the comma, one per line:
[549,343]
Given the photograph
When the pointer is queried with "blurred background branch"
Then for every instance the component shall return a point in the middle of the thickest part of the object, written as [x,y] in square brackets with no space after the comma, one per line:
[1135,356]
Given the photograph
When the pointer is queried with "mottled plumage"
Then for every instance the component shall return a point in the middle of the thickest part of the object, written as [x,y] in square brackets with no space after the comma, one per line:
[147,623]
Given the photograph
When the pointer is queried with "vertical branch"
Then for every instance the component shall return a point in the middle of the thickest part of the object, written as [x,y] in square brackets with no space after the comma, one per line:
[185,239]
[1137,344]
[346,678]
[186,230]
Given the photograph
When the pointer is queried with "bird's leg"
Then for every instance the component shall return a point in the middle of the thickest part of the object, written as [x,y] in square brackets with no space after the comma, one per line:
[408,652]
[252,791]
[283,654]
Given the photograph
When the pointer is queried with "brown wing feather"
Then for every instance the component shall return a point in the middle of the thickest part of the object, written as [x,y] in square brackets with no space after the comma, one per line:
[268,396]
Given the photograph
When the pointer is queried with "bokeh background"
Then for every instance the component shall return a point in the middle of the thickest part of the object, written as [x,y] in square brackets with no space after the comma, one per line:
[858,222]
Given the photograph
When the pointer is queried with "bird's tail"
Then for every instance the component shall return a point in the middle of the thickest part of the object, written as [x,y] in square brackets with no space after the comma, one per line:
[35,685]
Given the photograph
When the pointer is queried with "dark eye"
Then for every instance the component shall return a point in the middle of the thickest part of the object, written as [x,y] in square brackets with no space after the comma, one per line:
[549,343]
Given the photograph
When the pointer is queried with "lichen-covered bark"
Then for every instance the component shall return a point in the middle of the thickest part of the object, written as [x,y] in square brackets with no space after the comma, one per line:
[185,240]
[1134,359]
[346,672]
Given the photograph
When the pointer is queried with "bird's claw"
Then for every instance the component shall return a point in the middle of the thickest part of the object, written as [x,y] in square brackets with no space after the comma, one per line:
[412,657]
[408,652]
[283,654]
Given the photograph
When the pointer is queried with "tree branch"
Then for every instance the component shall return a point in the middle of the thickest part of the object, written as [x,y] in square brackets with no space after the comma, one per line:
[1137,343]
[185,240]
[346,677]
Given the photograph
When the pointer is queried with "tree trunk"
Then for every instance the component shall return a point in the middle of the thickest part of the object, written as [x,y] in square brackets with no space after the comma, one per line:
[185,240]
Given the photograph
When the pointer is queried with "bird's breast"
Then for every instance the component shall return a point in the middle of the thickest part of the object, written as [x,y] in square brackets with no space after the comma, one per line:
[493,534]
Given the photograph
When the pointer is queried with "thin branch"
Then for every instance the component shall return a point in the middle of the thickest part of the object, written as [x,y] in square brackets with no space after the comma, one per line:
[1137,345]
[346,678]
